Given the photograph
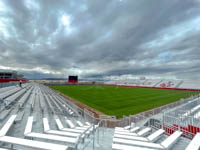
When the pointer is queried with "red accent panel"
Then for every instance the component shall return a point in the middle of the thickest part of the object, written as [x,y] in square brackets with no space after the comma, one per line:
[12,80]
[72,81]
[198,129]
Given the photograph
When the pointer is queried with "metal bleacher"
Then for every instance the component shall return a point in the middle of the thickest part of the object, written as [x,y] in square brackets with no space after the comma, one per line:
[34,117]
[124,139]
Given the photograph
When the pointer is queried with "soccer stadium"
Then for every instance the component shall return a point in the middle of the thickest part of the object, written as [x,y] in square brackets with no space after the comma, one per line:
[99,75]
[47,116]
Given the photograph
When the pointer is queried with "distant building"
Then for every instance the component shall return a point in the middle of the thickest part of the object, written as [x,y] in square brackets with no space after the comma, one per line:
[11,76]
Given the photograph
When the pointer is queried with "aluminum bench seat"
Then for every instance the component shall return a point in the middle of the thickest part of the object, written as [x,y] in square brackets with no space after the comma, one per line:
[87,123]
[144,131]
[49,131]
[70,112]
[151,138]
[154,136]
[5,89]
[54,101]
[8,93]
[7,125]
[28,133]
[64,133]
[134,129]
[126,133]
[59,104]
[195,143]
[127,147]
[79,123]
[24,98]
[13,97]
[75,130]
[32,144]
[25,142]
[138,143]
[124,130]
[49,103]
[63,104]
[60,127]
[137,138]
[86,127]
[121,129]
[53,137]
[69,122]
[32,100]
[168,143]
[42,102]
[3,149]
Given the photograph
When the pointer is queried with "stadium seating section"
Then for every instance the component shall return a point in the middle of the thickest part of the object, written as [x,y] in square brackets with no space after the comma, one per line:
[35,117]
[159,83]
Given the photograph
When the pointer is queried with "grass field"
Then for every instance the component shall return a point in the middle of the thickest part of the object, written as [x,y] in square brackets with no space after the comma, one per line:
[119,101]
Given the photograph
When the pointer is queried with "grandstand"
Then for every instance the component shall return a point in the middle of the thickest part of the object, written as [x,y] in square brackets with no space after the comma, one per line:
[36,117]
[190,84]
[168,84]
[159,83]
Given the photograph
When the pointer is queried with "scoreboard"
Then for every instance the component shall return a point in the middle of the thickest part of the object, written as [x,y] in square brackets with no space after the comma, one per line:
[72,79]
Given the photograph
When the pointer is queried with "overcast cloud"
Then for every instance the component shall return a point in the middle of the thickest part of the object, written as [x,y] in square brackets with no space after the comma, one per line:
[100,38]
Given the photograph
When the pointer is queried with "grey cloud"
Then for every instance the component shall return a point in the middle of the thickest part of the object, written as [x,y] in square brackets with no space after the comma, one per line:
[105,36]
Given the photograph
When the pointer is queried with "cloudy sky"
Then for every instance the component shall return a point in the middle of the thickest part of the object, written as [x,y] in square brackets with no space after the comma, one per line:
[101,38]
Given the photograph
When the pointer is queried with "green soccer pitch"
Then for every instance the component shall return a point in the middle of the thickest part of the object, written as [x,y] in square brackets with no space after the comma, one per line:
[119,101]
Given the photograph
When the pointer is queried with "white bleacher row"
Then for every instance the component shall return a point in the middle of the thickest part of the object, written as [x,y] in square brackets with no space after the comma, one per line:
[75,131]
[59,99]
[118,143]
[6,89]
[9,92]
[124,139]
[151,83]
[127,139]
[32,99]
[13,97]
[190,84]
[42,103]
[55,102]
[28,133]
[10,96]
[25,97]
[168,83]
[70,136]
[164,83]
[195,143]
[153,137]
[32,92]
[25,142]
